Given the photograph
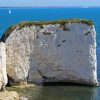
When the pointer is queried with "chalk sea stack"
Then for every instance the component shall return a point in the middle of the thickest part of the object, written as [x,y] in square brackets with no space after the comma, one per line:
[59,51]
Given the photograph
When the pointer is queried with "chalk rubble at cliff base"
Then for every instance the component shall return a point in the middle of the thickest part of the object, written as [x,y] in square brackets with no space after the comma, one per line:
[9,95]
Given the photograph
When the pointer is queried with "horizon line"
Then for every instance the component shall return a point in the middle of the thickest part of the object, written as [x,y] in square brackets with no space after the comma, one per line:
[49,6]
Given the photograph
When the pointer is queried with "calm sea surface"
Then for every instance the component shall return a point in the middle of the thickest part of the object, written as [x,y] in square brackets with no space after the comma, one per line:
[30,14]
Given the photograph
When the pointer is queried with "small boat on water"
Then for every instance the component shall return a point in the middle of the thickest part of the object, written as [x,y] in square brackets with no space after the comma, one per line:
[9,11]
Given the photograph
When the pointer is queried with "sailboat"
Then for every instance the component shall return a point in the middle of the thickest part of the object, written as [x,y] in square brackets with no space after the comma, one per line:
[9,11]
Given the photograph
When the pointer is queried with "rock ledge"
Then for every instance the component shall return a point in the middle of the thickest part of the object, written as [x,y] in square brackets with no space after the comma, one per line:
[9,95]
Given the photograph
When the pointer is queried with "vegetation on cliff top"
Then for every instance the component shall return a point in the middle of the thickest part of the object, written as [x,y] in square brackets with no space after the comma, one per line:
[40,23]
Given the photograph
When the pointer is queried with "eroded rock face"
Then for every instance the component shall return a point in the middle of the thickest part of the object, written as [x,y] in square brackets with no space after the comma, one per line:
[58,53]
[3,74]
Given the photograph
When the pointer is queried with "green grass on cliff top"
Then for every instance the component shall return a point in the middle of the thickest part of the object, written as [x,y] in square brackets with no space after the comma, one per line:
[40,23]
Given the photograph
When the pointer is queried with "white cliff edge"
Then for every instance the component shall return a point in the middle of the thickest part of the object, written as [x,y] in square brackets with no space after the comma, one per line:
[58,53]
[3,72]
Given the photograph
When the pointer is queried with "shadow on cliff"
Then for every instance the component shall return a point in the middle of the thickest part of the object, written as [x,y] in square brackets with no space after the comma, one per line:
[36,77]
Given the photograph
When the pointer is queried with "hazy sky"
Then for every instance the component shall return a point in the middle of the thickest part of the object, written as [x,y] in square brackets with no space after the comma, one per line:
[49,2]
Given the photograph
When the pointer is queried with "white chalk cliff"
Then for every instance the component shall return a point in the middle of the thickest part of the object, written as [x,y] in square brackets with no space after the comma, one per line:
[59,53]
[3,72]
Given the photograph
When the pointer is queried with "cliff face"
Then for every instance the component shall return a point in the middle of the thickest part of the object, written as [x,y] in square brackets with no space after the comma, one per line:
[58,53]
[3,73]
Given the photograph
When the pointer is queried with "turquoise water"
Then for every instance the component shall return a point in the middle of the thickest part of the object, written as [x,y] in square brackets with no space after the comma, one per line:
[30,14]
[66,93]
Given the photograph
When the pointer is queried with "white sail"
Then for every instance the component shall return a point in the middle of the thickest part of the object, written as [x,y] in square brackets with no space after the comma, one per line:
[9,11]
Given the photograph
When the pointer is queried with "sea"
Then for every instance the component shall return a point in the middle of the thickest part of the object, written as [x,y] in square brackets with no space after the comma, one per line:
[11,16]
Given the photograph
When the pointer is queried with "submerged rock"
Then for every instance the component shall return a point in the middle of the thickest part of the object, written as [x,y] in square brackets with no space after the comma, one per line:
[58,52]
[9,95]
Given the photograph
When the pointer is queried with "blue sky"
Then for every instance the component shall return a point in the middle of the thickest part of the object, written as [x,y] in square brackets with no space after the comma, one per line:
[50,3]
